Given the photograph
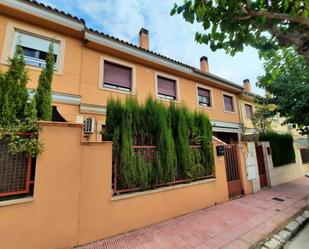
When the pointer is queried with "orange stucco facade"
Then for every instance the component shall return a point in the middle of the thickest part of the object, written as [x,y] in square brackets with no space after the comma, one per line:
[72,202]
[80,72]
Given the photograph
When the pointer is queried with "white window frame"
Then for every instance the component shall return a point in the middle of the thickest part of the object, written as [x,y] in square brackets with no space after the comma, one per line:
[18,31]
[234,102]
[167,76]
[212,106]
[120,63]
[9,44]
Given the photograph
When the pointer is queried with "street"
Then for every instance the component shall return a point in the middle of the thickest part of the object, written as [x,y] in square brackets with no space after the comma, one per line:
[301,240]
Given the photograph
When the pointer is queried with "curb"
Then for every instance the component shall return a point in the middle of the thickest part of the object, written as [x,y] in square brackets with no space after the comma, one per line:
[278,240]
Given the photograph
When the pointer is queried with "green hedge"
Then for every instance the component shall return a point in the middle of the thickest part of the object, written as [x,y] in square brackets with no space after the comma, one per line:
[171,128]
[281,147]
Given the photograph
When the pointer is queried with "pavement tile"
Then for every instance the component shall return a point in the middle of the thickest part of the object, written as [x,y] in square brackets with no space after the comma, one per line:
[237,244]
[237,224]
[252,237]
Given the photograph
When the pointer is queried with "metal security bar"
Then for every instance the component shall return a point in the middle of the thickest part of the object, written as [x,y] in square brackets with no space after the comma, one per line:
[15,171]
[232,170]
[148,153]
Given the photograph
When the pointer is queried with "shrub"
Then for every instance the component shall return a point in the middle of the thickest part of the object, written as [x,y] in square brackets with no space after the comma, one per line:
[281,147]
[17,110]
[43,95]
[113,120]
[171,129]
[179,123]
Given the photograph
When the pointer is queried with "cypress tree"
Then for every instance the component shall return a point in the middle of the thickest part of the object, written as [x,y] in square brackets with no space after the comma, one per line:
[43,96]
[126,164]
[113,118]
[206,146]
[30,112]
[17,113]
[2,89]
[15,86]
[166,144]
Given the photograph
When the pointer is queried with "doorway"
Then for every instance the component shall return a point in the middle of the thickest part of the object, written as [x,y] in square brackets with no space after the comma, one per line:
[261,166]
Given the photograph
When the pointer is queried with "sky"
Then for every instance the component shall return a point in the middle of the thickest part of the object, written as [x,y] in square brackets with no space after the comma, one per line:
[169,35]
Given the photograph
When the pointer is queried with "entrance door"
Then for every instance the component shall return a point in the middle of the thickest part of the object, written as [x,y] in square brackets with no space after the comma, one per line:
[232,170]
[261,165]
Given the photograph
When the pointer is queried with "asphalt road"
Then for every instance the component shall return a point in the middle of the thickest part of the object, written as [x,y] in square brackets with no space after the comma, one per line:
[300,241]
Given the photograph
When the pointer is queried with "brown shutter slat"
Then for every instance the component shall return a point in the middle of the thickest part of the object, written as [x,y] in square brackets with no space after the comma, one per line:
[203,92]
[248,111]
[166,86]
[228,103]
[117,75]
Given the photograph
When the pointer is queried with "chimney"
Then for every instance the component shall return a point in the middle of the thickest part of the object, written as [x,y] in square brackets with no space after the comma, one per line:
[247,86]
[204,64]
[144,39]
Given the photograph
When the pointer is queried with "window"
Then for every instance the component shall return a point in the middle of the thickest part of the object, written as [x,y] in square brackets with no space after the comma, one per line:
[117,76]
[204,98]
[166,88]
[36,48]
[17,174]
[248,109]
[228,103]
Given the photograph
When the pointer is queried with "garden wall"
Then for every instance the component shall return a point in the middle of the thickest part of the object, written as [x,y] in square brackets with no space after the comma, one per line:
[102,215]
[49,220]
[73,201]
[284,173]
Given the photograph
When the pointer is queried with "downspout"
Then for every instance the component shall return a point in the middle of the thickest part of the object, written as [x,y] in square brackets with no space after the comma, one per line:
[241,112]
[80,164]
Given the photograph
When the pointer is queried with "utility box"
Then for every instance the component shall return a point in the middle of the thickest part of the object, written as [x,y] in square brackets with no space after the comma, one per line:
[220,150]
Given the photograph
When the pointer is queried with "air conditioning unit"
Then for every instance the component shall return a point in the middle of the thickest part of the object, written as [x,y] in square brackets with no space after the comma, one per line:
[89,125]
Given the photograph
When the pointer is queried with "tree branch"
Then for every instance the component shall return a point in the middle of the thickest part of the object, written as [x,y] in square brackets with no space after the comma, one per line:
[293,37]
[281,16]
[246,9]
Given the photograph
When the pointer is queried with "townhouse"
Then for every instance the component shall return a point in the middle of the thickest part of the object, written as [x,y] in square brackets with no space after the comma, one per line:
[247,108]
[73,191]
[92,67]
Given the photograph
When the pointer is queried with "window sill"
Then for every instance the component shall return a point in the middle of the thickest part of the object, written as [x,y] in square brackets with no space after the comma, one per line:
[206,107]
[159,190]
[230,112]
[17,201]
[58,71]
[167,100]
[116,90]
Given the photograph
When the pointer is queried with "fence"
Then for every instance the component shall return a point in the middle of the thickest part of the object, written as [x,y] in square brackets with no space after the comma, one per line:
[304,155]
[15,172]
[148,154]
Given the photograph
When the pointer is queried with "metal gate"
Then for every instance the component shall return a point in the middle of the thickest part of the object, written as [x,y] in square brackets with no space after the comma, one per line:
[261,165]
[232,170]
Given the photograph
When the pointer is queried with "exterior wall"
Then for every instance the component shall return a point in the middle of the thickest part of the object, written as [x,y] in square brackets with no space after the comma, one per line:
[248,126]
[144,84]
[284,173]
[252,166]
[67,77]
[50,219]
[242,150]
[102,215]
[69,112]
[73,201]
[80,74]
[276,124]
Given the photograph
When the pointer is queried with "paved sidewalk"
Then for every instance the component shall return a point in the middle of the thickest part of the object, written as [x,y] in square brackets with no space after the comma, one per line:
[235,224]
